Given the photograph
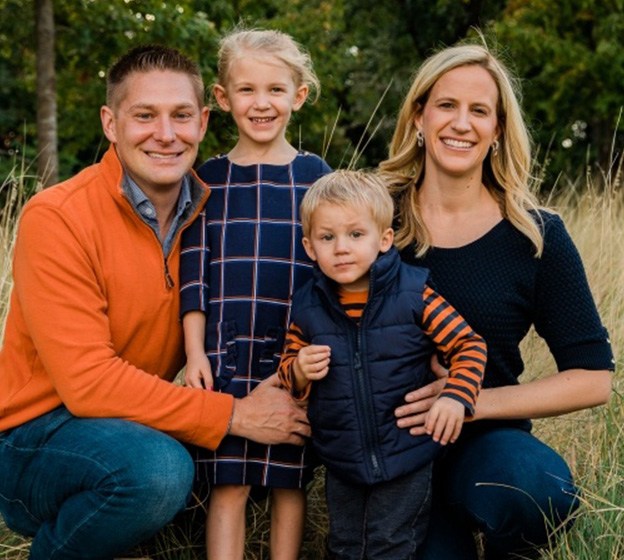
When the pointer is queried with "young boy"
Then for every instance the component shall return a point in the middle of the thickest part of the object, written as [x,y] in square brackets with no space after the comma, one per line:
[364,330]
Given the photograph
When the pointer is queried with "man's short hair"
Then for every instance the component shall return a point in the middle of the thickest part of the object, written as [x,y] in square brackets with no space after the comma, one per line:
[146,58]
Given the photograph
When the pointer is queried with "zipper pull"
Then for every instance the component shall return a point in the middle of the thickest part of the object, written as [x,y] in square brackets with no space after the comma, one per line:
[168,278]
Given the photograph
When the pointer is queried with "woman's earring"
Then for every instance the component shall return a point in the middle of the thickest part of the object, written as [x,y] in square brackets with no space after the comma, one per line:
[420,139]
[495,147]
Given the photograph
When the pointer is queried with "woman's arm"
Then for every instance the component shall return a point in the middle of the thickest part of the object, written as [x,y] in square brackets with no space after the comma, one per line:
[560,393]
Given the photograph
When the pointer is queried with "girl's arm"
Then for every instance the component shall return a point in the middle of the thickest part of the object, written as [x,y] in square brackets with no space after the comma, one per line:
[198,372]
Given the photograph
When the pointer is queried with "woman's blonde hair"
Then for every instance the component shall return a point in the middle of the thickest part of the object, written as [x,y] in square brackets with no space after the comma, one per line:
[354,189]
[272,43]
[506,174]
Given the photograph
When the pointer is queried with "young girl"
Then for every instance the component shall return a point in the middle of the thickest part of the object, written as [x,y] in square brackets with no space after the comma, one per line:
[241,260]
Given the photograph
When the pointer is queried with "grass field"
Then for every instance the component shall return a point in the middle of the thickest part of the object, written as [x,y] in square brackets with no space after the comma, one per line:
[592,440]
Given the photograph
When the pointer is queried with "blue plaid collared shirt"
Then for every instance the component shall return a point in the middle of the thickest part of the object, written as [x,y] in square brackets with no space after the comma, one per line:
[144,208]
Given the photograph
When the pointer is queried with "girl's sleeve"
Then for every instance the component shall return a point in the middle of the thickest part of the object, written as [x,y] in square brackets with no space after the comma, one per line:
[194,261]
[565,312]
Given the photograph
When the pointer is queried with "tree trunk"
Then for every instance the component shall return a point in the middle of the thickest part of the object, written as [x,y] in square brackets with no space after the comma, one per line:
[47,162]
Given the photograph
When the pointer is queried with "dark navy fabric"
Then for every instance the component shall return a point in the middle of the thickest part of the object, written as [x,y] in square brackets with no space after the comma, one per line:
[373,366]
[241,260]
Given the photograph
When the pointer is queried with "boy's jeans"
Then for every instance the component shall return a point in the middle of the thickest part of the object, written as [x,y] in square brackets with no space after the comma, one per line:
[89,488]
[381,521]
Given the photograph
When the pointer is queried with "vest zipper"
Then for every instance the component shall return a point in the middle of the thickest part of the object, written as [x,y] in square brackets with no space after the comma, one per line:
[370,436]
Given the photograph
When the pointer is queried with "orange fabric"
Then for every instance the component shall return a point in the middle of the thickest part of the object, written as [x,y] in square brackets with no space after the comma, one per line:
[93,323]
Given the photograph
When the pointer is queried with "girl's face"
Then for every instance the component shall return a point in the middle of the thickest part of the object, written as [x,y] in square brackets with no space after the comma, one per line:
[459,122]
[261,94]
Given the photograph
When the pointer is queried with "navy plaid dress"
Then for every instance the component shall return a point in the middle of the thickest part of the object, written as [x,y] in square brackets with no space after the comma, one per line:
[241,261]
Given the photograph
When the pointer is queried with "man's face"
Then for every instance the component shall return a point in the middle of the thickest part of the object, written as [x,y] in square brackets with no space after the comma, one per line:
[156,125]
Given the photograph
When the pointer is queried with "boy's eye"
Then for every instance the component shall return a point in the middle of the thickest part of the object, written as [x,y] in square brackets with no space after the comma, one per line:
[327,237]
[356,234]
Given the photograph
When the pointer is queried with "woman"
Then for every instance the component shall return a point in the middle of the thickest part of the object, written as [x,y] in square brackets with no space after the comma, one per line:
[459,171]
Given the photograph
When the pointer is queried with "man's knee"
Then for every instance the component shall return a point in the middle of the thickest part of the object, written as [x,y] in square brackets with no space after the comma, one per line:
[160,478]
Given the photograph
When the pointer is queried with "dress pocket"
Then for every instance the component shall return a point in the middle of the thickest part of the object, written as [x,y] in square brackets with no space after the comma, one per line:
[271,351]
[221,350]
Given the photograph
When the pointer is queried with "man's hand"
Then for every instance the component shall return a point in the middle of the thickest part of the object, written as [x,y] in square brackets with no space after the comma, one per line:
[270,415]
[413,414]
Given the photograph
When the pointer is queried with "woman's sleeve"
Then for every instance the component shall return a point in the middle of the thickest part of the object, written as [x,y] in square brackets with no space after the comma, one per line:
[565,312]
[194,262]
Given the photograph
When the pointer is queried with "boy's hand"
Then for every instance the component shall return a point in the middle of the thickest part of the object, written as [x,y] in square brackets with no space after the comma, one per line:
[444,420]
[198,373]
[312,362]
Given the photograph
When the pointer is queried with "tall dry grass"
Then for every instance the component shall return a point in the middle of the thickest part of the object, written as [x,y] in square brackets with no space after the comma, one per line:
[591,440]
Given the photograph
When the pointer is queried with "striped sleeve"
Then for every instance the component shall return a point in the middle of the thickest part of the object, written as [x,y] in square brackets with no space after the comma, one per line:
[464,351]
[295,341]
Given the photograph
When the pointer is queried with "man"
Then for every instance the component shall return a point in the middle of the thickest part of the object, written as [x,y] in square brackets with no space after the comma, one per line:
[90,462]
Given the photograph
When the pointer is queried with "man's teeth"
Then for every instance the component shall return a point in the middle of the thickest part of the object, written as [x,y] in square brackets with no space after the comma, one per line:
[162,156]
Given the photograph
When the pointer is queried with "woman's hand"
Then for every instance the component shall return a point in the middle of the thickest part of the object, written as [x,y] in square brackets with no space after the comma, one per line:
[413,414]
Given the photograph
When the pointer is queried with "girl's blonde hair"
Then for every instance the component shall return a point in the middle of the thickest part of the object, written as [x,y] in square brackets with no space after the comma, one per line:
[506,174]
[354,189]
[268,42]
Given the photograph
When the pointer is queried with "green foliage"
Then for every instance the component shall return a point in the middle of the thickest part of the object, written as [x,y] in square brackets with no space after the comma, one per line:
[570,60]
[572,63]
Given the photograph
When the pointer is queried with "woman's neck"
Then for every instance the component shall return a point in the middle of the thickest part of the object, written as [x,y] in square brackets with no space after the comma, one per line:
[457,212]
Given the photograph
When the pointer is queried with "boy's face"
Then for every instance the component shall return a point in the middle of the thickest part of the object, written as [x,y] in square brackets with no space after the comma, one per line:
[345,242]
[156,126]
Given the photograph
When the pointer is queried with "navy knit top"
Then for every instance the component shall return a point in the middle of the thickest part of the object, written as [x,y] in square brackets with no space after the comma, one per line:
[501,289]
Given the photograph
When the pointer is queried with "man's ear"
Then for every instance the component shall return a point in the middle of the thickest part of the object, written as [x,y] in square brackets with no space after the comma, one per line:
[309,249]
[221,96]
[386,240]
[107,117]
[205,117]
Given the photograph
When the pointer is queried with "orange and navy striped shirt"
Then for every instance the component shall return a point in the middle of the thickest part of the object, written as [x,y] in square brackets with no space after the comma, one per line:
[463,351]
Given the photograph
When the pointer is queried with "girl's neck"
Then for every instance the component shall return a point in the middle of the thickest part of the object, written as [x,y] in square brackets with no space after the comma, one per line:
[245,153]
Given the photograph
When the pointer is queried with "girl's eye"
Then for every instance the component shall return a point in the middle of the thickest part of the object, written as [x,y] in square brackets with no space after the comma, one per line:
[356,234]
[327,237]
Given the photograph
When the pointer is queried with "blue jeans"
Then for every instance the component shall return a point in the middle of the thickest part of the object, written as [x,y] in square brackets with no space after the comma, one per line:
[381,521]
[505,483]
[89,488]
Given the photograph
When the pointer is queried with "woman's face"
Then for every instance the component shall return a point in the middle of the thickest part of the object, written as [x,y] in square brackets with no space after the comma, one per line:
[459,122]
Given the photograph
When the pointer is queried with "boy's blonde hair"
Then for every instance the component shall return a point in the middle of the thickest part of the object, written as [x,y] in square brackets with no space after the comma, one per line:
[359,189]
[506,174]
[268,42]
